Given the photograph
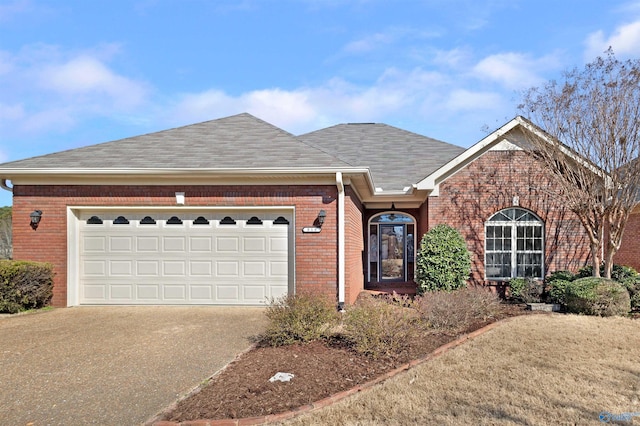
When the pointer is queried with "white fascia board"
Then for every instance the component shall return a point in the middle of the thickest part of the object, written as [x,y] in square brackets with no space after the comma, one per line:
[185,176]
[430,182]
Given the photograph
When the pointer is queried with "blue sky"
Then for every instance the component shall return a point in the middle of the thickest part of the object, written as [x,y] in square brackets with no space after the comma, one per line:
[79,72]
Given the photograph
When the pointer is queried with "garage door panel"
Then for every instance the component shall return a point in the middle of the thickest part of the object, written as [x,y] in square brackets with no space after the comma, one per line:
[201,268]
[148,268]
[254,244]
[148,244]
[204,263]
[95,268]
[228,268]
[121,268]
[175,292]
[174,268]
[228,244]
[94,244]
[148,292]
[121,292]
[227,293]
[254,269]
[178,244]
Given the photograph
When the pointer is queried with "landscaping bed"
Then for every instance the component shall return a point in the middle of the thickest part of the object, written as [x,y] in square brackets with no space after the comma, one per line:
[320,368]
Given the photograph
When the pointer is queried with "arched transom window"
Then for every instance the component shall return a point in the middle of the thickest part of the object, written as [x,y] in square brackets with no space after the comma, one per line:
[391,247]
[514,245]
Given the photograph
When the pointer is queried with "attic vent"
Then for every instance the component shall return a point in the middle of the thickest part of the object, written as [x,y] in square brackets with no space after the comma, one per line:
[254,221]
[148,220]
[227,221]
[94,220]
[175,220]
[358,124]
[201,221]
[121,220]
[281,221]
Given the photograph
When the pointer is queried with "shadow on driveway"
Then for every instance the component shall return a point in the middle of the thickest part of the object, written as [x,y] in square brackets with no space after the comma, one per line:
[113,365]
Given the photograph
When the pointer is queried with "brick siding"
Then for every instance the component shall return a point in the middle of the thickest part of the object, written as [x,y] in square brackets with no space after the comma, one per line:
[488,185]
[315,256]
[629,252]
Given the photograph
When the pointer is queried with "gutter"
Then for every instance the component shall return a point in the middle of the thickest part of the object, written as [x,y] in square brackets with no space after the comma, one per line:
[341,242]
[3,185]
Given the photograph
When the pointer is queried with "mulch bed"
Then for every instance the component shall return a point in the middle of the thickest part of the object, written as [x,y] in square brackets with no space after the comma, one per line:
[320,369]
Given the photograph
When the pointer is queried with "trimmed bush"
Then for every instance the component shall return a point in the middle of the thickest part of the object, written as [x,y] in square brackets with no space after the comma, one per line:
[25,285]
[557,291]
[298,319]
[443,261]
[457,310]
[527,290]
[597,296]
[618,272]
[380,328]
[632,284]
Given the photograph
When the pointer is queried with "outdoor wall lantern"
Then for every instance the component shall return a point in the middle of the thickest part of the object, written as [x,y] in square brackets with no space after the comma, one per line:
[35,216]
[322,215]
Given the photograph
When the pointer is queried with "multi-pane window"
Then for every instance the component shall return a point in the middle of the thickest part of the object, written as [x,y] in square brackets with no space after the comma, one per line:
[514,245]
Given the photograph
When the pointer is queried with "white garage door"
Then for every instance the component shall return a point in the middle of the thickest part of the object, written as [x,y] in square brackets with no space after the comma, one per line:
[182,258]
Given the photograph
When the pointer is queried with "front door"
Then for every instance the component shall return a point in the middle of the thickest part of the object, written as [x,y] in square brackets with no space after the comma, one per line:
[391,248]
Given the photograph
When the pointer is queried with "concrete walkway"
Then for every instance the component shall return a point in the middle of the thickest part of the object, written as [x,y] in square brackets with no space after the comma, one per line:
[113,365]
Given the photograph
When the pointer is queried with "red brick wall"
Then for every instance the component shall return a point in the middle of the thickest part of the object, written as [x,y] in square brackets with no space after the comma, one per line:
[316,258]
[629,253]
[468,198]
[354,246]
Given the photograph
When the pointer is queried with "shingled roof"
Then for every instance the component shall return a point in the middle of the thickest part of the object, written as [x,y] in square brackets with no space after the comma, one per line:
[238,142]
[397,158]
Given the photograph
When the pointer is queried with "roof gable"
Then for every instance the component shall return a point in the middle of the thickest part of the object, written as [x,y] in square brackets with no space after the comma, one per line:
[238,142]
[397,158]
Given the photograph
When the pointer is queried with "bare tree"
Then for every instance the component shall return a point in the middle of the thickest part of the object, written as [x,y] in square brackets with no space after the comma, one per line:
[590,138]
[6,245]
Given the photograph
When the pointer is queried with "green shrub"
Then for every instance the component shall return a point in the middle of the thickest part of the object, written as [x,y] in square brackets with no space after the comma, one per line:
[443,261]
[380,329]
[632,284]
[557,290]
[618,272]
[25,285]
[597,296]
[559,275]
[298,319]
[457,310]
[527,290]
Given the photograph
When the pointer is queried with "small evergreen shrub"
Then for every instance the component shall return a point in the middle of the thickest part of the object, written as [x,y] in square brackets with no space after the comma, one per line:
[443,261]
[298,319]
[527,290]
[455,311]
[25,285]
[597,296]
[557,290]
[380,328]
[632,284]
[618,272]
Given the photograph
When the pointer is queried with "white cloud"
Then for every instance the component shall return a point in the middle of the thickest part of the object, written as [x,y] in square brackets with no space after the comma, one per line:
[466,100]
[84,75]
[515,70]
[12,8]
[45,88]
[625,41]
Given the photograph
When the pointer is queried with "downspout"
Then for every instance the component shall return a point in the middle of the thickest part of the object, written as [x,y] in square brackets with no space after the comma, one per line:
[341,243]
[3,185]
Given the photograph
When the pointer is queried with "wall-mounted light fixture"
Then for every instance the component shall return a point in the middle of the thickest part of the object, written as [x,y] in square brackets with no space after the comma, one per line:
[180,198]
[392,216]
[322,215]
[35,216]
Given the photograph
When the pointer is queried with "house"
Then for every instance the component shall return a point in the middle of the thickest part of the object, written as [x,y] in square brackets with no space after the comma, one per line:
[235,211]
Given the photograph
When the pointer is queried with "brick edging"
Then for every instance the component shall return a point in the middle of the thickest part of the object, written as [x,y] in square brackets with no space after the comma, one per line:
[261,420]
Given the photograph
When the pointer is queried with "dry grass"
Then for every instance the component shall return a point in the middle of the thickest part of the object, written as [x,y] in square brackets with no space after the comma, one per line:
[533,370]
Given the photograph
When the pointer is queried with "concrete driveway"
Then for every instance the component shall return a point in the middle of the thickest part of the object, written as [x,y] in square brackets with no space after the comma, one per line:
[113,365]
